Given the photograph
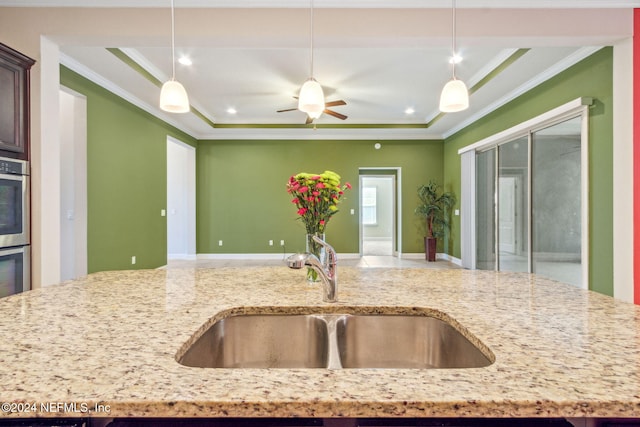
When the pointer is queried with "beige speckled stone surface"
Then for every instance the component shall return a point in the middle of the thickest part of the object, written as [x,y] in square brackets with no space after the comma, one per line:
[113,338]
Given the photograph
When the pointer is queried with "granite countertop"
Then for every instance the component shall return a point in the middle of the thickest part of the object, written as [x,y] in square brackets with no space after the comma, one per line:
[106,345]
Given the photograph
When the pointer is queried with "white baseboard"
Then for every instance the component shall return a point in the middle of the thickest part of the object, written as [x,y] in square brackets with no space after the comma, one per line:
[348,255]
[264,256]
[192,257]
[450,258]
[242,256]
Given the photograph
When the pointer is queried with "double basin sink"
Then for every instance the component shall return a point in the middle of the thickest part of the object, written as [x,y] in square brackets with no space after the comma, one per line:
[335,341]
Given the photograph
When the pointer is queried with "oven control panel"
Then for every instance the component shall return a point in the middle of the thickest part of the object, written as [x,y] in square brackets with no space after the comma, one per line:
[13,167]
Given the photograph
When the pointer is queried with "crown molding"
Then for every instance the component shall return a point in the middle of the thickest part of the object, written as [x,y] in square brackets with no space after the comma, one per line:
[107,84]
[557,68]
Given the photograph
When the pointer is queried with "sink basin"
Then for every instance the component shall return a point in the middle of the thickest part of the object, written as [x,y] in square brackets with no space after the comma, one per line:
[261,341]
[404,342]
[333,341]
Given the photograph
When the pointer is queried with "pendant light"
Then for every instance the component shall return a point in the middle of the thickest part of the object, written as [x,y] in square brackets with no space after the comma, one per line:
[311,98]
[454,96]
[173,96]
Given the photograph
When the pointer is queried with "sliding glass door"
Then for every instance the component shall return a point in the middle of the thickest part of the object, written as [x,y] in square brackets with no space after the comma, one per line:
[513,218]
[529,203]
[485,208]
[557,201]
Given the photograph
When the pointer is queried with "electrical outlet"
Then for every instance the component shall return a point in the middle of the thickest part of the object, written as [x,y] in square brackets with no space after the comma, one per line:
[270,242]
[219,242]
[281,242]
[133,259]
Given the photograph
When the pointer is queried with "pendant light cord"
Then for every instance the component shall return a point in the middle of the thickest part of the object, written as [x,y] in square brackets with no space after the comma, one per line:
[173,44]
[311,36]
[453,38]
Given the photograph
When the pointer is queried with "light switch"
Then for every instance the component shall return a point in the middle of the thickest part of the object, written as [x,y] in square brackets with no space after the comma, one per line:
[163,212]
[353,211]
[457,212]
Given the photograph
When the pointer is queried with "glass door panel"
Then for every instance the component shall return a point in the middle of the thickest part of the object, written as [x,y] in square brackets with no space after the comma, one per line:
[485,210]
[513,227]
[557,202]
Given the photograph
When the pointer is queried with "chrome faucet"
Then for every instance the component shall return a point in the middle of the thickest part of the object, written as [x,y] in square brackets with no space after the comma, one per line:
[328,270]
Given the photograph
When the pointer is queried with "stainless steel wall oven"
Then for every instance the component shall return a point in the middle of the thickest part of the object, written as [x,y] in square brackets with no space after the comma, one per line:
[14,226]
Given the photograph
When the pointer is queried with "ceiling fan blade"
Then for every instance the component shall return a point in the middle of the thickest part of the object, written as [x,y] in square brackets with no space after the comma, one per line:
[308,121]
[334,103]
[334,114]
[288,109]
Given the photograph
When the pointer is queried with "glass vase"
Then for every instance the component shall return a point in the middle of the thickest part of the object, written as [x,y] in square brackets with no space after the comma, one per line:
[318,250]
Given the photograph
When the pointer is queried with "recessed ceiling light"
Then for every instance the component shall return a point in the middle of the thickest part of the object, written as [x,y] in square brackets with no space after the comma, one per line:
[185,60]
[232,110]
[409,111]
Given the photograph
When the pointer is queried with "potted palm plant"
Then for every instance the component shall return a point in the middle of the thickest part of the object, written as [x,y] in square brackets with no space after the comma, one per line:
[434,207]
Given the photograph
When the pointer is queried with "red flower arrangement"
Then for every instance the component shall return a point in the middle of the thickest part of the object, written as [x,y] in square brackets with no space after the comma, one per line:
[316,197]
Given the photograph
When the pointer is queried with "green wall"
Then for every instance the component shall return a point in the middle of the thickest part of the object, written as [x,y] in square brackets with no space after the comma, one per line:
[592,77]
[242,200]
[126,179]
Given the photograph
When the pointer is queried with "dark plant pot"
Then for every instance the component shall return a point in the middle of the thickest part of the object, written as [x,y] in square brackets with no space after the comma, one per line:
[430,245]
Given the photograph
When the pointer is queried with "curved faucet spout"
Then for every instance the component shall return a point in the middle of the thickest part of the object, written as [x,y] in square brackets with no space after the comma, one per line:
[328,272]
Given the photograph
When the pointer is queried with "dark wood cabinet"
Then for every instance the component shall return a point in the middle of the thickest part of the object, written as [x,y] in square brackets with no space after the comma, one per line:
[14,103]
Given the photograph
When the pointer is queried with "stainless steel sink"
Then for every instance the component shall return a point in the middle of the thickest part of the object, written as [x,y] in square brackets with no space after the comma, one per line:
[261,341]
[334,341]
[404,342]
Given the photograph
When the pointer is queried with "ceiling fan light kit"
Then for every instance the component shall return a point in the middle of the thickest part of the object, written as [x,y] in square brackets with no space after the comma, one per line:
[454,96]
[173,96]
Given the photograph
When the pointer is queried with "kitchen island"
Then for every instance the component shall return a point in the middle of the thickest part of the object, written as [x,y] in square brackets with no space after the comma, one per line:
[106,346]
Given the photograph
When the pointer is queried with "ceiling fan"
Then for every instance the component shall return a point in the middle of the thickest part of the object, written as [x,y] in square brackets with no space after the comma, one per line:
[326,110]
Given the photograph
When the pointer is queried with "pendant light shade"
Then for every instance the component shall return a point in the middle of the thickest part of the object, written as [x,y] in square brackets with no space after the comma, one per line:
[311,98]
[173,96]
[454,96]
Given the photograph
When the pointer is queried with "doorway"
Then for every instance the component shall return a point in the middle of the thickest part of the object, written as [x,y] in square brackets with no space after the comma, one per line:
[181,200]
[378,213]
[73,184]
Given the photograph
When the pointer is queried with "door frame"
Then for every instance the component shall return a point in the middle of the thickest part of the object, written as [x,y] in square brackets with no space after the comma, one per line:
[189,205]
[377,172]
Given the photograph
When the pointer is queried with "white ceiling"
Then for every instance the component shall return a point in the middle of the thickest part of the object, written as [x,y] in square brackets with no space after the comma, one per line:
[381,57]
